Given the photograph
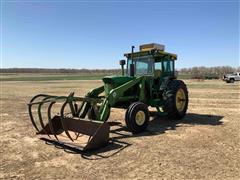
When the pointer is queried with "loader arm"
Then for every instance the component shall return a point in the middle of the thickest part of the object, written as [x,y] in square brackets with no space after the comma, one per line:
[117,94]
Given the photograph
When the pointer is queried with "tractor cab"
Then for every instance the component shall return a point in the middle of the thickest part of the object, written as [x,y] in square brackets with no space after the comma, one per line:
[151,60]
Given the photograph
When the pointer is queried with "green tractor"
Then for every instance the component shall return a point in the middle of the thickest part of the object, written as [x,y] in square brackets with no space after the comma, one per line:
[148,81]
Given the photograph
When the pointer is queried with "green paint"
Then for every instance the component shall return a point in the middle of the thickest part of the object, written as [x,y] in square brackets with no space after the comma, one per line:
[120,91]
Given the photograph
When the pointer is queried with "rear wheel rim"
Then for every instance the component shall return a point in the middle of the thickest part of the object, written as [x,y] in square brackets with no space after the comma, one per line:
[140,118]
[180,100]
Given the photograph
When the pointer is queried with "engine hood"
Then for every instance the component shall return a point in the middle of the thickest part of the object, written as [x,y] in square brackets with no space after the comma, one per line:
[117,80]
[111,82]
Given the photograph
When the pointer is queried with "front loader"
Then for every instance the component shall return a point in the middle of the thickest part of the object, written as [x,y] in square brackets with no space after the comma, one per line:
[148,81]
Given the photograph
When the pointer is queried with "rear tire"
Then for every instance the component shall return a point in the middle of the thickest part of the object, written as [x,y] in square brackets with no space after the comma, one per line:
[176,99]
[137,117]
[231,80]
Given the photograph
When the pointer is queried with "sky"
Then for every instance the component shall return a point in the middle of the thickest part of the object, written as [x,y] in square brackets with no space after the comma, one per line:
[96,34]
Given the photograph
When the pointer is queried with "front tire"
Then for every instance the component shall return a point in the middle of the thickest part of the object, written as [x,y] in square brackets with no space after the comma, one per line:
[176,100]
[137,117]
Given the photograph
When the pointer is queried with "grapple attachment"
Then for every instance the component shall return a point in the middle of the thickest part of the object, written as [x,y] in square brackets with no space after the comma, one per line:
[69,126]
[97,132]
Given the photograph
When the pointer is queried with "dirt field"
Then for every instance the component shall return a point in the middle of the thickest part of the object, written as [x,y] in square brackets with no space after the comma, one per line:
[204,145]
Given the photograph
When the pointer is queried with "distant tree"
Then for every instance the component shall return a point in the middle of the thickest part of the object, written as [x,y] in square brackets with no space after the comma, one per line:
[194,72]
[208,72]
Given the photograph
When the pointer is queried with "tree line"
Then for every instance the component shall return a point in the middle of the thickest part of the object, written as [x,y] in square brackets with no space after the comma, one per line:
[193,72]
[64,71]
[208,72]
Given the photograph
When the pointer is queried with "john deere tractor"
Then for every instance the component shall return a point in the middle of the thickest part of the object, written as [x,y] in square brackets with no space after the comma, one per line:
[149,80]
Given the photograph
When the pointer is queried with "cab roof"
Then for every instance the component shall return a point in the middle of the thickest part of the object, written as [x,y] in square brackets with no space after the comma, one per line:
[157,54]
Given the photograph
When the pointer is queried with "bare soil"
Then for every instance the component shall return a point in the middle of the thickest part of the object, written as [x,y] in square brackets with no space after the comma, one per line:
[203,145]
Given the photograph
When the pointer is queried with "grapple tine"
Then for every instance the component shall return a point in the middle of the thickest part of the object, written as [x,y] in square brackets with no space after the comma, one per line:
[69,120]
[30,110]
[62,120]
[80,108]
[73,110]
[50,120]
[87,106]
[40,116]
[31,117]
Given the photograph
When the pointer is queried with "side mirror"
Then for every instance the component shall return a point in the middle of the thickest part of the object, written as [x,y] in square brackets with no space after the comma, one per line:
[132,70]
[122,62]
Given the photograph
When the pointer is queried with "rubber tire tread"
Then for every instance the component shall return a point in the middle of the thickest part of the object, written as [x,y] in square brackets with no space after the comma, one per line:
[169,96]
[130,117]
[127,113]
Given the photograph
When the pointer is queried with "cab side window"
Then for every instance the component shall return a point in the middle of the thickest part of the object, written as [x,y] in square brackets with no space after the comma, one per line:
[168,67]
[158,69]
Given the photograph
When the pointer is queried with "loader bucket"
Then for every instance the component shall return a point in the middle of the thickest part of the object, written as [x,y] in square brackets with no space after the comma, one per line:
[69,126]
[88,134]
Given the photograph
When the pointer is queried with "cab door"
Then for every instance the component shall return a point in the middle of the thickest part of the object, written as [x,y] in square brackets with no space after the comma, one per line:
[168,68]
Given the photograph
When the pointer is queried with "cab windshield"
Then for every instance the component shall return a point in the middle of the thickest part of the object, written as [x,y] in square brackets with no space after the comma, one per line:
[143,65]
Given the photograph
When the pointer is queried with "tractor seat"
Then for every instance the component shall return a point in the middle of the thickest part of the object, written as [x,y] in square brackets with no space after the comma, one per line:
[157,73]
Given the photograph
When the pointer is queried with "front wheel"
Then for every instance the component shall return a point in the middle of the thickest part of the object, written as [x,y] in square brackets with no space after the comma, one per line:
[231,80]
[137,117]
[176,99]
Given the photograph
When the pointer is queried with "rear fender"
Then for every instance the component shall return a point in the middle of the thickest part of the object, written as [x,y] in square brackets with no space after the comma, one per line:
[165,83]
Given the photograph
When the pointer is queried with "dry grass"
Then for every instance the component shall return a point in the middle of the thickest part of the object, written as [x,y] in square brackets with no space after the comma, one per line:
[204,145]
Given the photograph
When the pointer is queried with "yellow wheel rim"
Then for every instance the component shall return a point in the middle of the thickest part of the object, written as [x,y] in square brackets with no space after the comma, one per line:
[180,100]
[140,118]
